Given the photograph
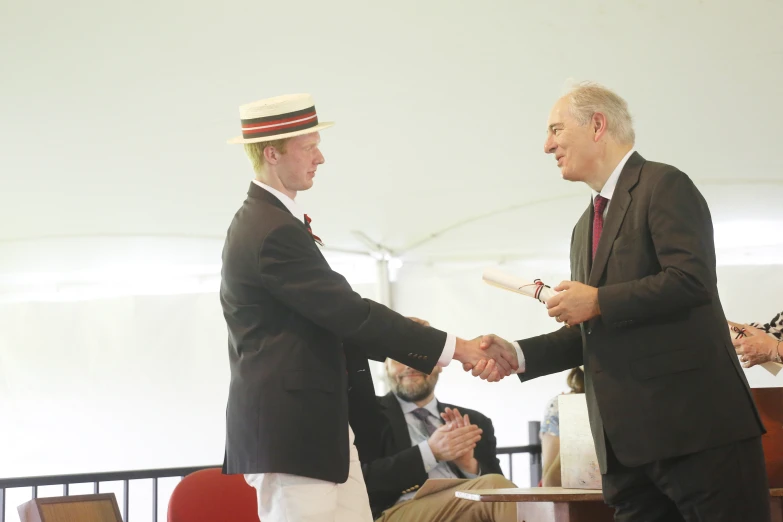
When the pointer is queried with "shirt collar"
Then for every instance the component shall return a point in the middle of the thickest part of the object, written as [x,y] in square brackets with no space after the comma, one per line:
[408,407]
[608,189]
[289,203]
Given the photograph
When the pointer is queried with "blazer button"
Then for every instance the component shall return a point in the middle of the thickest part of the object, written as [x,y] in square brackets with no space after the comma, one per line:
[589,331]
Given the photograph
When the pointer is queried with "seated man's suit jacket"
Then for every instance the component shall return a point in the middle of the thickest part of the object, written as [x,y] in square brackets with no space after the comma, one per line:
[399,467]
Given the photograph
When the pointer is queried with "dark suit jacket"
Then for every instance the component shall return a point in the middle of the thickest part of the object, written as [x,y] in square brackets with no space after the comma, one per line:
[661,375]
[399,468]
[297,334]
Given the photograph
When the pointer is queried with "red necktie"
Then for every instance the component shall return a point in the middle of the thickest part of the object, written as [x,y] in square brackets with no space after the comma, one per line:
[599,205]
[309,229]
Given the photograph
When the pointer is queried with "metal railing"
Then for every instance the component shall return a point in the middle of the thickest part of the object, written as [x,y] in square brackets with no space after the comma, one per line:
[533,449]
[66,481]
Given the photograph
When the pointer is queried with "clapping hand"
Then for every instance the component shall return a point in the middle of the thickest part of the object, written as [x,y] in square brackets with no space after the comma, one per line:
[451,442]
[466,461]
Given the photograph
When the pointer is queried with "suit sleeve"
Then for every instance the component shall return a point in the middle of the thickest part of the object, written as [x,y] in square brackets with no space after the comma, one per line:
[551,353]
[292,269]
[681,230]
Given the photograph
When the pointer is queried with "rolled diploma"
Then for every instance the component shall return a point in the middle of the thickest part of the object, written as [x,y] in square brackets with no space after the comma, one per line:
[505,281]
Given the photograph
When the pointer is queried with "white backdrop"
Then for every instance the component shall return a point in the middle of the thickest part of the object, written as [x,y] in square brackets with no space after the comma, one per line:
[141,381]
[115,116]
[133,382]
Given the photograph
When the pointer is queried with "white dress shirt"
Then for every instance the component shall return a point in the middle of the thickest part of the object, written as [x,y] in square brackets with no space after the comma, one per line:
[451,340]
[419,438]
[289,203]
[607,191]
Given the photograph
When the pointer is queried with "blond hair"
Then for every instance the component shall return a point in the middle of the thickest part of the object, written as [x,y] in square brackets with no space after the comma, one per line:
[255,152]
[587,98]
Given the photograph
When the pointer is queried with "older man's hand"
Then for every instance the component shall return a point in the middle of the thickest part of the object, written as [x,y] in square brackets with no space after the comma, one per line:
[490,362]
[574,303]
[486,369]
[422,322]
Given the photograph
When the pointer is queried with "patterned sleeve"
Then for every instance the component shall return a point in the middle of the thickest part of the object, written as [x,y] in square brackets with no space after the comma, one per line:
[551,423]
[773,328]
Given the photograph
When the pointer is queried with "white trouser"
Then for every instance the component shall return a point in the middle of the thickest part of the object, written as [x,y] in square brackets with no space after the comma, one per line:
[291,498]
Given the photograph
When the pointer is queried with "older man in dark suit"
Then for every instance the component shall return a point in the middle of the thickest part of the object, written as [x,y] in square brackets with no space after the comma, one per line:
[676,431]
[299,336]
[419,442]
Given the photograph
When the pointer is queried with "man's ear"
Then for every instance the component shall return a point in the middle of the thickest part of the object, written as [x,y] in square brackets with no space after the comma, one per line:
[599,126]
[271,155]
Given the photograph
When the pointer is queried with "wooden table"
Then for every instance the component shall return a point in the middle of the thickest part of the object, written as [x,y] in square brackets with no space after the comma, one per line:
[571,505]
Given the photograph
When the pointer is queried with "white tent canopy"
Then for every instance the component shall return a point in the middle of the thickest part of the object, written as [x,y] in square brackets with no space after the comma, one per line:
[115,116]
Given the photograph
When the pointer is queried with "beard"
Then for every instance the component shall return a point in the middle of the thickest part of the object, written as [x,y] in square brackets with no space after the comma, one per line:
[413,390]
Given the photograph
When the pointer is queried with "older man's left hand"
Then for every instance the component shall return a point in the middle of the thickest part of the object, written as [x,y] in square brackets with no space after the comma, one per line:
[574,304]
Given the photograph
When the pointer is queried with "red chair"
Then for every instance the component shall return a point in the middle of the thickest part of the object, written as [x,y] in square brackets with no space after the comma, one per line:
[210,496]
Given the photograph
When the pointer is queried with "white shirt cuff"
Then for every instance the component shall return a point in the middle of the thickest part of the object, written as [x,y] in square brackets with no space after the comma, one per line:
[448,350]
[520,357]
[427,456]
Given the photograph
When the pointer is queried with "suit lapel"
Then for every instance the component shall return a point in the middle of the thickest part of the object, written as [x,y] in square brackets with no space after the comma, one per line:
[256,192]
[621,200]
[397,420]
[580,268]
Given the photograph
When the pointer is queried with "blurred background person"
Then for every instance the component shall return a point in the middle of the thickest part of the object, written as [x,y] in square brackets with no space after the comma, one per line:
[550,432]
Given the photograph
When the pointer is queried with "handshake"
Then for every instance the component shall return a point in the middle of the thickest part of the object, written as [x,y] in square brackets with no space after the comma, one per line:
[488,357]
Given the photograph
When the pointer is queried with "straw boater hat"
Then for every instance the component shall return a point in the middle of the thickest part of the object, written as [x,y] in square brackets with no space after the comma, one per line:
[277,118]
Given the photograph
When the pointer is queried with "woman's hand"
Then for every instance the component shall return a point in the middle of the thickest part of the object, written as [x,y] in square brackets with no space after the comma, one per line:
[756,347]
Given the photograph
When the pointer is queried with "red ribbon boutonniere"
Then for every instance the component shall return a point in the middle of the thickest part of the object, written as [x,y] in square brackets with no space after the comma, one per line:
[310,229]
